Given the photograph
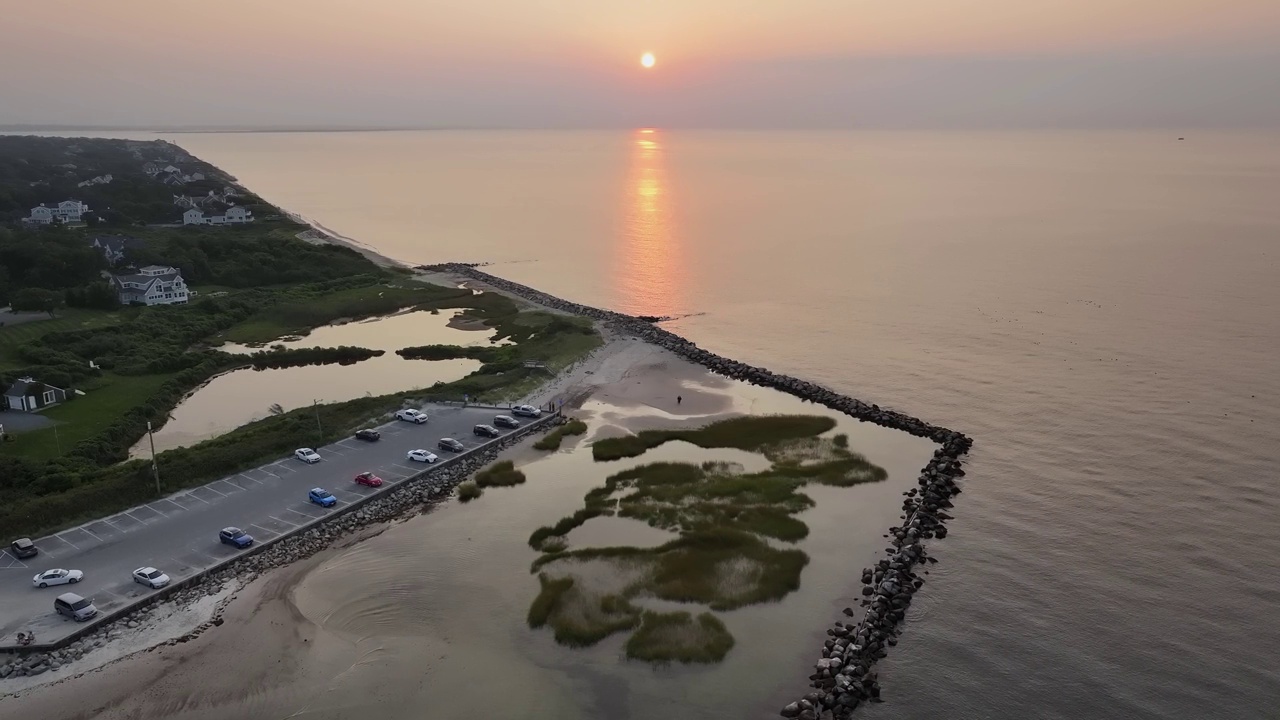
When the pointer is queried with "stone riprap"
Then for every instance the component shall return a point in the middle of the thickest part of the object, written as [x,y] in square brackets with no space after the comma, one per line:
[434,486]
[844,675]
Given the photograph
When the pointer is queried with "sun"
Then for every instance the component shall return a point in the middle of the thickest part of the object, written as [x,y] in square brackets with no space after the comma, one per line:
[647,60]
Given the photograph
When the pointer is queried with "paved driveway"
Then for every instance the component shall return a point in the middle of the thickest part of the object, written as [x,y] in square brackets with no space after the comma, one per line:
[179,534]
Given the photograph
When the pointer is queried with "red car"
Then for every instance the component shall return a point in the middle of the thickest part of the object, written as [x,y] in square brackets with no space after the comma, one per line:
[369,479]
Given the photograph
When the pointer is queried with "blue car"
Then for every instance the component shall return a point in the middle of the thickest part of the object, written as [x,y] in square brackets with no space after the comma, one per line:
[322,497]
[235,536]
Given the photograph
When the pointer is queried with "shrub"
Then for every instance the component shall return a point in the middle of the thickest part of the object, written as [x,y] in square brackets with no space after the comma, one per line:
[500,474]
[469,491]
[551,441]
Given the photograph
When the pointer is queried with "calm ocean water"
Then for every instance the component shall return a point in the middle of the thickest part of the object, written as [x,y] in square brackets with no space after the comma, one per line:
[1099,311]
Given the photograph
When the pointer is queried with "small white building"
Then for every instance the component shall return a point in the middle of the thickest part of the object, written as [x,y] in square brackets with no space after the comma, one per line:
[65,212]
[152,285]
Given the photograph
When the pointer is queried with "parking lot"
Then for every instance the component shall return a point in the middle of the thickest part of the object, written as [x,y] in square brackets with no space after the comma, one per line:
[179,534]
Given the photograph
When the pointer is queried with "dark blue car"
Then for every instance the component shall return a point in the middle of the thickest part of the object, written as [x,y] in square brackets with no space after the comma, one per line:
[236,537]
[322,497]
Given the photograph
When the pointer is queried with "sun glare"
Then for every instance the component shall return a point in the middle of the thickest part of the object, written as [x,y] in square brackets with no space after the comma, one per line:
[647,60]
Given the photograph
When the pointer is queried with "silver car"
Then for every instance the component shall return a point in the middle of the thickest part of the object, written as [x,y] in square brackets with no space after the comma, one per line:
[150,577]
[75,607]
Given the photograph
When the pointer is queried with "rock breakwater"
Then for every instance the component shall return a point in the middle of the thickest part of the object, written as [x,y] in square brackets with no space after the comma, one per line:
[844,674]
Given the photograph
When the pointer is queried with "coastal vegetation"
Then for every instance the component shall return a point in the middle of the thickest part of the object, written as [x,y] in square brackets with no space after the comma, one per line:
[743,433]
[499,474]
[469,491]
[679,637]
[552,440]
[726,523]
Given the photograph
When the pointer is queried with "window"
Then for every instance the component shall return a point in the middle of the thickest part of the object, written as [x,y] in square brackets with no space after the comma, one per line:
[49,397]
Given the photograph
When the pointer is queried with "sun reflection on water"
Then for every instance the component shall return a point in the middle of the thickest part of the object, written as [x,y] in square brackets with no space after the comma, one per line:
[650,269]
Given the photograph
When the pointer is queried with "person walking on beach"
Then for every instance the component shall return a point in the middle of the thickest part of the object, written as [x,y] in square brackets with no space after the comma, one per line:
[678,399]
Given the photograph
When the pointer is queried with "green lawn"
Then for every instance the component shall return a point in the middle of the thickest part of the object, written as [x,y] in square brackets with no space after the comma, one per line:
[86,416]
[14,336]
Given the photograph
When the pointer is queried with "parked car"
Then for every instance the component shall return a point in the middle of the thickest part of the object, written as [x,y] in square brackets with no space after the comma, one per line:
[487,431]
[75,607]
[421,456]
[412,416]
[368,479]
[506,421]
[23,548]
[451,445]
[57,577]
[307,455]
[526,411]
[368,435]
[150,577]
[322,497]
[236,537]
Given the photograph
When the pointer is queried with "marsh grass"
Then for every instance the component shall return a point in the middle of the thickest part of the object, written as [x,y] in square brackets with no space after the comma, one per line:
[552,440]
[720,559]
[578,617]
[500,474]
[469,491]
[742,433]
[679,637]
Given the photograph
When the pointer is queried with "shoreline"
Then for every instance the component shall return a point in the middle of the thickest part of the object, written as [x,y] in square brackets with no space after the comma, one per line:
[844,674]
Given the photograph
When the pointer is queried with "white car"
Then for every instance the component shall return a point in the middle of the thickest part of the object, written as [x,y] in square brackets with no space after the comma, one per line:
[421,456]
[57,577]
[412,416]
[150,577]
[307,455]
[526,410]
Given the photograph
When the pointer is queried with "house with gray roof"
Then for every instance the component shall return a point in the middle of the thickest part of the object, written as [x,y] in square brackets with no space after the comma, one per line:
[114,247]
[152,285]
[28,395]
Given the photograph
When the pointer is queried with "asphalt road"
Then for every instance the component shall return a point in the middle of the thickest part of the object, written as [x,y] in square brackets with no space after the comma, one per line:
[179,534]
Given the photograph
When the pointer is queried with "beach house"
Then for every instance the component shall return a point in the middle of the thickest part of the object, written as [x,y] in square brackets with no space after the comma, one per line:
[67,211]
[152,285]
[27,395]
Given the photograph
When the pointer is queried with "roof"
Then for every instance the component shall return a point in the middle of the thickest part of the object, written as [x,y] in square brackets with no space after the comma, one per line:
[146,280]
[21,385]
[117,243]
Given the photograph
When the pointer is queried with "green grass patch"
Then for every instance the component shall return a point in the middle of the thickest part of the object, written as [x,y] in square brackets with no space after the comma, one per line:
[679,637]
[743,433]
[469,491]
[552,440]
[499,474]
[105,400]
[13,337]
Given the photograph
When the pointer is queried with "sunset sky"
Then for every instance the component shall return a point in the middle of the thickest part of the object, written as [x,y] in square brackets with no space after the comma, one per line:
[575,63]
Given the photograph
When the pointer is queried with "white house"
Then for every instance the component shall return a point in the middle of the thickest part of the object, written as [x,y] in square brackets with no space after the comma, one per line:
[152,285]
[150,168]
[193,177]
[65,211]
[233,215]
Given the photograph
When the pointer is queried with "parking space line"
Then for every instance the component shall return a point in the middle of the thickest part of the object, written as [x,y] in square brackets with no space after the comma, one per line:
[77,547]
[282,522]
[215,492]
[140,522]
[87,532]
[12,563]
[190,495]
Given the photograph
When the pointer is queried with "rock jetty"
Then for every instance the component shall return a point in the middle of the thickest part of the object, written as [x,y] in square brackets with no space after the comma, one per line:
[844,675]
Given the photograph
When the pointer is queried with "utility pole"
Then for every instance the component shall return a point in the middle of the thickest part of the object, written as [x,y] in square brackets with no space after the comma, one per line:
[56,438]
[319,427]
[155,469]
